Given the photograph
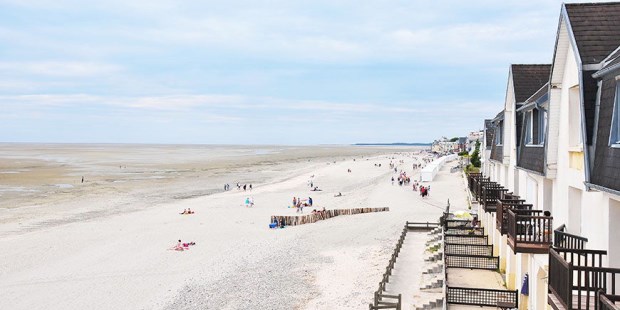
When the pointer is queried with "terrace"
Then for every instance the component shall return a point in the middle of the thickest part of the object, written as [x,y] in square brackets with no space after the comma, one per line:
[578,281]
[529,231]
[503,206]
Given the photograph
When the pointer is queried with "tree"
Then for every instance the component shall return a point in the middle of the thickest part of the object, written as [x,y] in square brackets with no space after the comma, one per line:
[475,156]
[454,139]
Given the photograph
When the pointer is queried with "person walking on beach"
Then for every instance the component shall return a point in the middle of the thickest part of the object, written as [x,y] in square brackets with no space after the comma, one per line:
[82,179]
[310,201]
[250,187]
[244,187]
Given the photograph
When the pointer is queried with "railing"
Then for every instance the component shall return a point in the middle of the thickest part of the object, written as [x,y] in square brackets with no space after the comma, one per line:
[394,303]
[468,249]
[560,278]
[529,228]
[465,231]
[421,225]
[562,239]
[472,261]
[606,302]
[490,195]
[378,298]
[481,297]
[480,186]
[466,239]
[448,224]
[501,218]
[576,275]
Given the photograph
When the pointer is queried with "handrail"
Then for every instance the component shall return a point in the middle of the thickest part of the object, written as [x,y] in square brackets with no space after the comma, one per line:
[581,277]
[563,239]
[481,297]
[526,227]
[606,302]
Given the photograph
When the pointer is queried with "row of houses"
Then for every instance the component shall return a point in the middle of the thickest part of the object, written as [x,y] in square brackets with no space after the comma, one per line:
[555,145]
[456,145]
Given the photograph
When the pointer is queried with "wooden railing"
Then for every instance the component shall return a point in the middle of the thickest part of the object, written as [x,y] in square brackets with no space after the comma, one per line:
[379,303]
[501,218]
[490,195]
[576,275]
[529,231]
[606,302]
[481,297]
[480,187]
[471,179]
[562,239]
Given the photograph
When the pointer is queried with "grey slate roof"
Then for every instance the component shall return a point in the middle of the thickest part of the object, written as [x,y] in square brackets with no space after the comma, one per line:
[596,27]
[527,79]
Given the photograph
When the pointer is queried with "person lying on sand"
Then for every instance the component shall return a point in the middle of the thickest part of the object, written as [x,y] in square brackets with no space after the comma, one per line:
[338,195]
[180,246]
[187,211]
[316,189]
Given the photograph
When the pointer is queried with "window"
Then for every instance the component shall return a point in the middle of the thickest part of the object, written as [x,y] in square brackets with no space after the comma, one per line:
[542,126]
[529,126]
[614,137]
[499,133]
[535,125]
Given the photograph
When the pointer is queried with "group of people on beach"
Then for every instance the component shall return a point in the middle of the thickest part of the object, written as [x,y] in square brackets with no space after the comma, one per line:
[300,204]
[187,211]
[424,190]
[239,187]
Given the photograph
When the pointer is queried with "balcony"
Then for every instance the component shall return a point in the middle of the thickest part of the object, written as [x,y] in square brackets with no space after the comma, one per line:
[529,231]
[578,281]
[501,220]
[562,239]
[491,193]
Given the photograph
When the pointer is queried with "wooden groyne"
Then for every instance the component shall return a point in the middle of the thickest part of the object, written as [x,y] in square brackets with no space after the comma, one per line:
[294,220]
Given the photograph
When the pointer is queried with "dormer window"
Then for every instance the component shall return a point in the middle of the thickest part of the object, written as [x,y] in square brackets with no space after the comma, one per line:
[535,125]
[499,133]
[614,137]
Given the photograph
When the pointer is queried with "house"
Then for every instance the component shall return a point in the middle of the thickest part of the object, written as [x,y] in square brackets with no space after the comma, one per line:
[555,146]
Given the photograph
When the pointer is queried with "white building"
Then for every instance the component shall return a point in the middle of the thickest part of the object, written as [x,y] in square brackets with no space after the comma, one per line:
[556,144]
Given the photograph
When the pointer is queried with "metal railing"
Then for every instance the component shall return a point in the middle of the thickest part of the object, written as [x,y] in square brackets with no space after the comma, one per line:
[468,249]
[466,239]
[481,297]
[472,261]
[465,231]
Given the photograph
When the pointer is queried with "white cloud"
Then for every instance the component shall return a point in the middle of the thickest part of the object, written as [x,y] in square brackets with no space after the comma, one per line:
[60,68]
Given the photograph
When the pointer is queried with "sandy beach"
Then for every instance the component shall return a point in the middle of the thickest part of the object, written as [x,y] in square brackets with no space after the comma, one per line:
[105,243]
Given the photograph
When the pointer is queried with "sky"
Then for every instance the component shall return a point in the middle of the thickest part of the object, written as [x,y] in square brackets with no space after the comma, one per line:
[261,72]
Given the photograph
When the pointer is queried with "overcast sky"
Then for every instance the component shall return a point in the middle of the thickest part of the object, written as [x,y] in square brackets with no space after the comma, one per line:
[261,72]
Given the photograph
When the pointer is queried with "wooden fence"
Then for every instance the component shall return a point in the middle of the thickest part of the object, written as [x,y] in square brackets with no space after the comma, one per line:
[294,220]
